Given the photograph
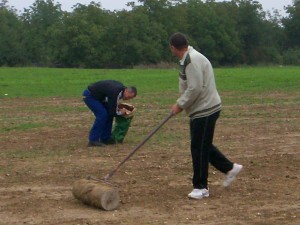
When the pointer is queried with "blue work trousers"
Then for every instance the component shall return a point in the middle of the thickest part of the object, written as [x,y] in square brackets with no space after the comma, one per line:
[102,127]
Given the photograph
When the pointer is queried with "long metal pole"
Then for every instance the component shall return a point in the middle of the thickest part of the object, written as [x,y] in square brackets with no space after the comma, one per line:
[111,173]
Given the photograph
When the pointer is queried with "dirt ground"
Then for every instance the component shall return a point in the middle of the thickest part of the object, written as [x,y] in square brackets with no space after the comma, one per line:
[44,150]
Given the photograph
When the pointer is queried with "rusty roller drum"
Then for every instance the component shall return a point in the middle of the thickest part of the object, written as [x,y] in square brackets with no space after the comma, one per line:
[97,194]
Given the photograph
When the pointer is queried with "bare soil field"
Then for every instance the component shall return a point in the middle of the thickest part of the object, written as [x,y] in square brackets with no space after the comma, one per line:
[44,151]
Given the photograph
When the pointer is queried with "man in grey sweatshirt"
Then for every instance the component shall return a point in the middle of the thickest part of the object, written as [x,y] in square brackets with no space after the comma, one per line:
[202,103]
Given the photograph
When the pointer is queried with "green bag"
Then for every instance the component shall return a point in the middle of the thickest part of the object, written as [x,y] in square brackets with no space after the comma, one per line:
[121,127]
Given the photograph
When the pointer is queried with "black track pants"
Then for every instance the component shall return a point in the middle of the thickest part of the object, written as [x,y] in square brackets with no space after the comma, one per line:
[203,151]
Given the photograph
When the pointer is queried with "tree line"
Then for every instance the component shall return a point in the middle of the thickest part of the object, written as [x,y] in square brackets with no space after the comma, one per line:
[229,33]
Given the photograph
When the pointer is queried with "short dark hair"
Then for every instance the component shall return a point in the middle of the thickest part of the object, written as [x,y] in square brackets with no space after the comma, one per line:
[179,41]
[132,90]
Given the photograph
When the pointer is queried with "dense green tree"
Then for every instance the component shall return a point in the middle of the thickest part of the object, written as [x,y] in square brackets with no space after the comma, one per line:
[271,41]
[11,51]
[81,39]
[39,21]
[135,39]
[228,33]
[292,25]
[164,19]
[209,31]
[249,17]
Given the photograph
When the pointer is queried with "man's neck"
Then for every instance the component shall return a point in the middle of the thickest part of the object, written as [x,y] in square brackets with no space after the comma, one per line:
[182,52]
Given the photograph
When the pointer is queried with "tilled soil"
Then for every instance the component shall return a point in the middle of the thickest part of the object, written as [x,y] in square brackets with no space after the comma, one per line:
[44,150]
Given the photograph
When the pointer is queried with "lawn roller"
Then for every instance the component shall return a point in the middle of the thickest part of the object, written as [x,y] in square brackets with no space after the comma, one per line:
[101,193]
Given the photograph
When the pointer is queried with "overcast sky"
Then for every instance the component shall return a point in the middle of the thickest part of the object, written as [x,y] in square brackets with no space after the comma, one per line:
[268,5]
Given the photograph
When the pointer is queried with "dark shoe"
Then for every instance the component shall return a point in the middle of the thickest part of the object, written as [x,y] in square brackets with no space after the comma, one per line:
[95,144]
[109,142]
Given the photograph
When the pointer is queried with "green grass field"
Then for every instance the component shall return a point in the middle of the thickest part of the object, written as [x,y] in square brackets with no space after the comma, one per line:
[45,82]
[157,87]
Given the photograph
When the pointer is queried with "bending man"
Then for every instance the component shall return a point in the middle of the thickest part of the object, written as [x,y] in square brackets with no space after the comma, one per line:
[103,98]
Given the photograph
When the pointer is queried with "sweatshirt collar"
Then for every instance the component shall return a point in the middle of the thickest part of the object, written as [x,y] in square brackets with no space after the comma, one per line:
[181,61]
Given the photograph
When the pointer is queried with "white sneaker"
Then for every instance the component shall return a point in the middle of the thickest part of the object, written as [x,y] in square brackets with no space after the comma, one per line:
[198,193]
[231,175]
